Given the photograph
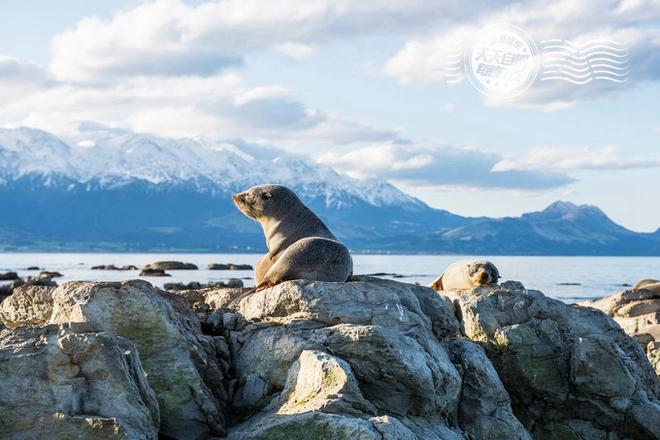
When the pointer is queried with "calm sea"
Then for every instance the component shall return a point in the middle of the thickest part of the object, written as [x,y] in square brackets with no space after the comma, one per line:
[566,278]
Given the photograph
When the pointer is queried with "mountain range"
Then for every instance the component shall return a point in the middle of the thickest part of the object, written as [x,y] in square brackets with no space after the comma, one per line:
[106,189]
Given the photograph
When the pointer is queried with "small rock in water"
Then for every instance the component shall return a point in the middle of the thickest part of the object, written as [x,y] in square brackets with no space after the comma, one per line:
[569,284]
[153,273]
[33,268]
[171,265]
[104,267]
[8,276]
[45,274]
[217,266]
[228,266]
[234,282]
[113,267]
[44,281]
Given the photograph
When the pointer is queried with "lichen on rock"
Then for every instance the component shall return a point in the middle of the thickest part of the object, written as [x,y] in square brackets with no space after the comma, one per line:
[367,359]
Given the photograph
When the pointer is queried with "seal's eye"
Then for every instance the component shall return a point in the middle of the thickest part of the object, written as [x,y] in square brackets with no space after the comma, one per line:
[266,195]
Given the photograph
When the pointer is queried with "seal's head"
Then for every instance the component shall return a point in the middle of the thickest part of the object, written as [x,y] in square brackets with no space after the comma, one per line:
[483,273]
[265,201]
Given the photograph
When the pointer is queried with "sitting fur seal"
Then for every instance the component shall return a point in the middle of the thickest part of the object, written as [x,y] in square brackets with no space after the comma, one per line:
[300,245]
[467,274]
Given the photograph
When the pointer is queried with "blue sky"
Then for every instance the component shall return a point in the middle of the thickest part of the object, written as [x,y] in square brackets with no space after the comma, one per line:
[355,86]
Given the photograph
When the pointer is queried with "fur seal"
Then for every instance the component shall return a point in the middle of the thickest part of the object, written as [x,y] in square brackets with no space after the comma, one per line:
[648,284]
[467,274]
[300,246]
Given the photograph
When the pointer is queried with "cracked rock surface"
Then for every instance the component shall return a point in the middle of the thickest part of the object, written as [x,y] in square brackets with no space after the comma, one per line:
[571,372]
[368,359]
[637,311]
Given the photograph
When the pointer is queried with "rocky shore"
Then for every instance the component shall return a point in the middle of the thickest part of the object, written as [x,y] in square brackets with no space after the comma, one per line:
[368,359]
[637,311]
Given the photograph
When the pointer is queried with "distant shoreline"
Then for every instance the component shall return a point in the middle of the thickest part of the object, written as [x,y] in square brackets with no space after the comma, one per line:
[264,250]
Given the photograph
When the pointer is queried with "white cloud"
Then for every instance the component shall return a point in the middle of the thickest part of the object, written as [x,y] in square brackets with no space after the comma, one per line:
[159,68]
[220,106]
[294,50]
[168,37]
[440,166]
[571,159]
[634,23]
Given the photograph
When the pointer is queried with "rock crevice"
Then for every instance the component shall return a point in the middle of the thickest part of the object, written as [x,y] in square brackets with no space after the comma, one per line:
[368,359]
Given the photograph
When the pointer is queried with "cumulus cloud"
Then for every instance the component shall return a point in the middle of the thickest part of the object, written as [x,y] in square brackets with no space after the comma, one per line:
[168,37]
[220,106]
[633,23]
[169,68]
[431,165]
[570,159]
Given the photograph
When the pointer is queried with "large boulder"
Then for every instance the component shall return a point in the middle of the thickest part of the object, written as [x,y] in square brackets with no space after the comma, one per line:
[571,371]
[28,304]
[65,382]
[179,361]
[637,311]
[369,359]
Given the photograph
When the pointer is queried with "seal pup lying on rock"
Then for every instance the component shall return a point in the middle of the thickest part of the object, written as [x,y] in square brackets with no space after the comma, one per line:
[467,274]
[300,245]
[648,284]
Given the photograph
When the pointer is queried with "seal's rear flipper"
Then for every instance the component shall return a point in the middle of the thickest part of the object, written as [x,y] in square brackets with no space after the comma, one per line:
[437,284]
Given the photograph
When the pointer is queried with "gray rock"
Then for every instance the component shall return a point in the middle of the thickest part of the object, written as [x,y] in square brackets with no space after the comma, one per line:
[46,275]
[229,266]
[363,359]
[29,304]
[485,407]
[567,368]
[165,331]
[217,266]
[63,382]
[367,359]
[637,311]
[170,265]
[8,276]
[148,272]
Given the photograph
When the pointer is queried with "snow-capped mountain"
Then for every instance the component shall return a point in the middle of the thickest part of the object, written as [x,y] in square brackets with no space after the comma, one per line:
[111,157]
[110,189]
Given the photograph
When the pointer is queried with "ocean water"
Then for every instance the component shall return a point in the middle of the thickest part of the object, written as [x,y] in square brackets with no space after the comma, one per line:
[567,278]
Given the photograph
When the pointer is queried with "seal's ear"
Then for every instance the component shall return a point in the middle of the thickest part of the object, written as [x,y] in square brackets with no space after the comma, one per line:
[266,195]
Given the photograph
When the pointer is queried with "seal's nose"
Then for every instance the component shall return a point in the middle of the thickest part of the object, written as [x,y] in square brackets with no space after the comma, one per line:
[236,197]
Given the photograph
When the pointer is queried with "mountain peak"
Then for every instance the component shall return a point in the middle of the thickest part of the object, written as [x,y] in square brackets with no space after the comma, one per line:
[112,156]
[568,210]
[564,211]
